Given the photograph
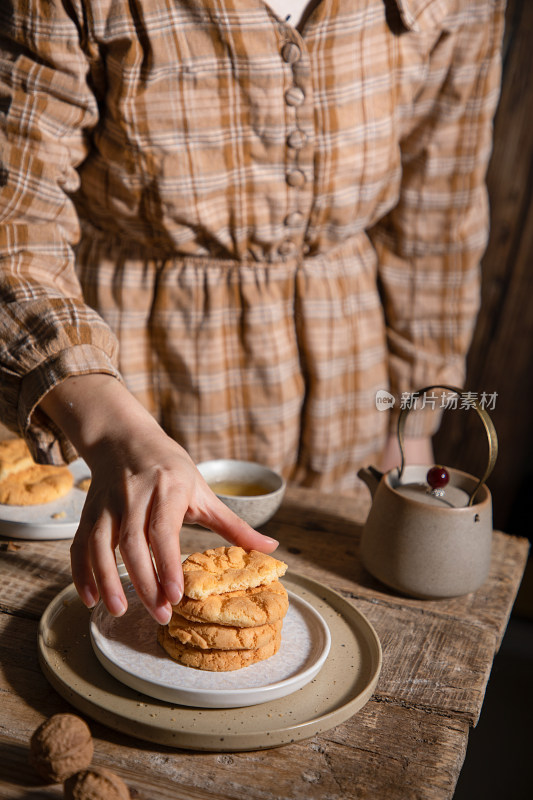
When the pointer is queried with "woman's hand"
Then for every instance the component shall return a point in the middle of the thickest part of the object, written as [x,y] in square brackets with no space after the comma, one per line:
[143,487]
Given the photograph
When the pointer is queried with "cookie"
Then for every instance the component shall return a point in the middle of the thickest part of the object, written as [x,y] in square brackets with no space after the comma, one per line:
[40,483]
[228,569]
[215,660]
[14,457]
[244,608]
[206,636]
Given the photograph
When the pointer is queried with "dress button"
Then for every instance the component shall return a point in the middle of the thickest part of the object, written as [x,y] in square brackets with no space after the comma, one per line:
[287,248]
[296,140]
[291,53]
[294,96]
[294,218]
[296,178]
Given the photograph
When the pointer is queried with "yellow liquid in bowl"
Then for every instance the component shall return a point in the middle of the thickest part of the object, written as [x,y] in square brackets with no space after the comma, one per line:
[239,488]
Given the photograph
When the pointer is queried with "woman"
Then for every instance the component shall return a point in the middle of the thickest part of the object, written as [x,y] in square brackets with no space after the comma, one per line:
[222,233]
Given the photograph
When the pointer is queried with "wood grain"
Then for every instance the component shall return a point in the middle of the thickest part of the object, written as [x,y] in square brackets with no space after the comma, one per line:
[364,758]
[407,743]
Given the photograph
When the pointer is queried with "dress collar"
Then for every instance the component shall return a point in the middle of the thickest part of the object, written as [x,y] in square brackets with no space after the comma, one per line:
[417,15]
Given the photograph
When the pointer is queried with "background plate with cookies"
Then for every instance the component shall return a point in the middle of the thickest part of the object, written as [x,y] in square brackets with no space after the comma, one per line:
[57,519]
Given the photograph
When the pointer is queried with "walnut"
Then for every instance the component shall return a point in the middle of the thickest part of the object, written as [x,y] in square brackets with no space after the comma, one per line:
[61,746]
[95,783]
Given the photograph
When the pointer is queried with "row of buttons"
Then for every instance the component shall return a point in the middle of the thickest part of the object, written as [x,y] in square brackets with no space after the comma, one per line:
[296,140]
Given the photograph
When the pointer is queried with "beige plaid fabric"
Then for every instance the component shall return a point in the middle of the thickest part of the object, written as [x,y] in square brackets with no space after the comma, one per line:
[255,227]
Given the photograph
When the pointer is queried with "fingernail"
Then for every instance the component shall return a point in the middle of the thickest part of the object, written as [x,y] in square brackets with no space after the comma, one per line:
[163,615]
[89,599]
[271,540]
[174,592]
[115,606]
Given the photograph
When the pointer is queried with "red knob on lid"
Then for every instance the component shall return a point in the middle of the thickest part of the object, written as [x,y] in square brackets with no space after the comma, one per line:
[438,477]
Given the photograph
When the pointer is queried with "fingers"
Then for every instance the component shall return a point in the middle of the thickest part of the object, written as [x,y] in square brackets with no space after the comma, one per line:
[94,568]
[102,557]
[166,517]
[134,539]
[82,574]
[93,563]
[224,521]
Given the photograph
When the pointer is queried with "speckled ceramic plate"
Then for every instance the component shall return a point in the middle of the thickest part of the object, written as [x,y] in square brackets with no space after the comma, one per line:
[127,648]
[342,686]
[56,520]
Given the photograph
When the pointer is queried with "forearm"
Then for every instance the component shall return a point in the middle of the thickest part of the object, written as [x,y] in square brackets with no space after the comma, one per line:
[96,411]
[429,247]
[416,451]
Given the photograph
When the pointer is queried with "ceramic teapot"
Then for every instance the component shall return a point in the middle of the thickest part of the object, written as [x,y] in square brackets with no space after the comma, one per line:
[429,539]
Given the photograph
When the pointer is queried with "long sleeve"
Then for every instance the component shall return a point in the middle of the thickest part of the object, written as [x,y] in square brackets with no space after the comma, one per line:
[430,246]
[47,110]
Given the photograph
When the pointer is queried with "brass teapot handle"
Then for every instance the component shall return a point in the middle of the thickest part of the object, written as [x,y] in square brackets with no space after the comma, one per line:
[485,418]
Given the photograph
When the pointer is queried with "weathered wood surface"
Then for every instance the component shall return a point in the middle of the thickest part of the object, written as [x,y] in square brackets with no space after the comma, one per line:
[407,743]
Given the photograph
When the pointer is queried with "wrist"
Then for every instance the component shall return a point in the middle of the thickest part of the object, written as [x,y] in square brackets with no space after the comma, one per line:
[94,411]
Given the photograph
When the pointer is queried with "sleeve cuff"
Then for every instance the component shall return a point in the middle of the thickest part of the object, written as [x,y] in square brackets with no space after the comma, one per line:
[425,417]
[46,441]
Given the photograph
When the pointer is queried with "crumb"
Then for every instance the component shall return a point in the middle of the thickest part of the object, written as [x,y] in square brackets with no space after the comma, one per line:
[59,515]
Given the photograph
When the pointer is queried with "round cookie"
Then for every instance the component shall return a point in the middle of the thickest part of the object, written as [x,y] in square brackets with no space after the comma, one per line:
[228,569]
[40,483]
[245,608]
[206,636]
[215,660]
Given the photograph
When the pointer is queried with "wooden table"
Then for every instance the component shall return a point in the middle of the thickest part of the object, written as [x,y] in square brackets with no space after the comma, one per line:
[408,742]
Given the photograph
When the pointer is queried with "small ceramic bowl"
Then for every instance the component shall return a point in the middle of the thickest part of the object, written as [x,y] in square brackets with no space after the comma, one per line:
[252,491]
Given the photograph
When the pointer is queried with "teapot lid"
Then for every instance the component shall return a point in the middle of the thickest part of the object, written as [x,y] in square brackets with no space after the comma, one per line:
[453,497]
[435,485]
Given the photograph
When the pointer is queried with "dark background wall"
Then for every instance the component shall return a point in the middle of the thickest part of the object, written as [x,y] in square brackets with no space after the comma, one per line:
[498,759]
[501,357]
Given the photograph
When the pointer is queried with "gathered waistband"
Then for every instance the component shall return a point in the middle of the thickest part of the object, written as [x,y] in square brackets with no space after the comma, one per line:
[120,249]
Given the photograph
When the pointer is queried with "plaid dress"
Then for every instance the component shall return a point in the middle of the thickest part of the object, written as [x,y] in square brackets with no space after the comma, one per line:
[255,226]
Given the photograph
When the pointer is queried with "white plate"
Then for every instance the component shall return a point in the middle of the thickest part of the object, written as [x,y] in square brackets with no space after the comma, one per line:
[127,648]
[38,522]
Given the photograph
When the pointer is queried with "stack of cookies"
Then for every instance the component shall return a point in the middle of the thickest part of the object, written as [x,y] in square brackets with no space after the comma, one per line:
[25,483]
[231,613]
